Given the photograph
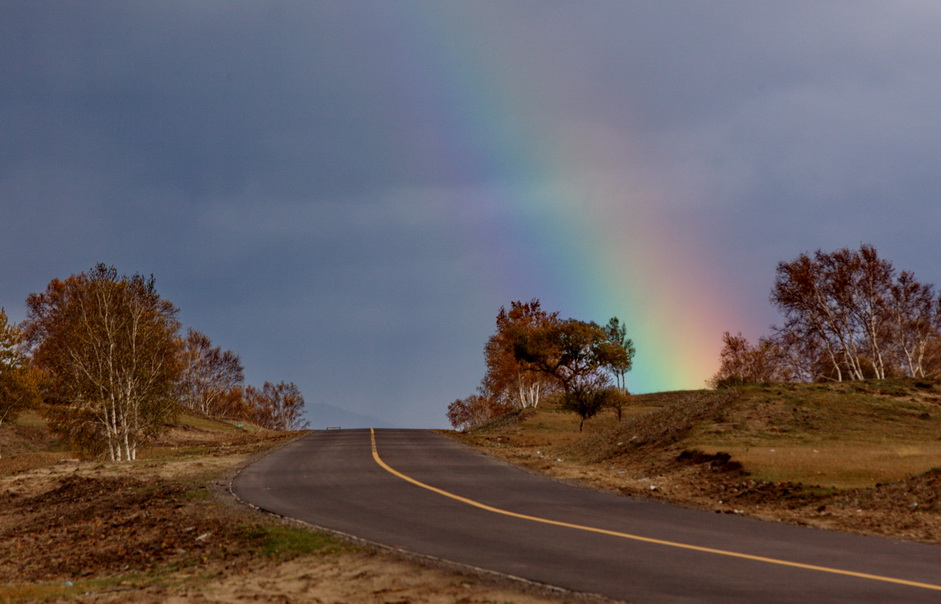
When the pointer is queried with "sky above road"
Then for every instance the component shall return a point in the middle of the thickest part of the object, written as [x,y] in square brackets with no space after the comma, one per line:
[345,192]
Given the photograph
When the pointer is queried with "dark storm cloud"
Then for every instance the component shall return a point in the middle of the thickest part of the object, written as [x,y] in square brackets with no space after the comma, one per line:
[206,98]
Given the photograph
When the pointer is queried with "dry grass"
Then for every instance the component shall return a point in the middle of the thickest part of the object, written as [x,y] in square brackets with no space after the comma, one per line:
[847,435]
[840,465]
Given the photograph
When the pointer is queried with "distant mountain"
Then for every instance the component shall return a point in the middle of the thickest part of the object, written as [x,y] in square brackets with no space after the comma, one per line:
[323,416]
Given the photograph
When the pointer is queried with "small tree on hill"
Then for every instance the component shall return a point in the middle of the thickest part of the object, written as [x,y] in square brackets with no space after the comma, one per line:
[576,354]
[621,355]
[474,410]
[277,406]
[209,377]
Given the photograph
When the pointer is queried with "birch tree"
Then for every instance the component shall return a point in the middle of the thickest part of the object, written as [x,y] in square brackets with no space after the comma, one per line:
[209,377]
[839,299]
[510,380]
[848,315]
[110,346]
[277,406]
[915,317]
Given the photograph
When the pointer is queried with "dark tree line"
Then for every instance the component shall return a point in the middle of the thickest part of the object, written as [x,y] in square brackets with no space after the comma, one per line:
[534,353]
[104,351]
[848,315]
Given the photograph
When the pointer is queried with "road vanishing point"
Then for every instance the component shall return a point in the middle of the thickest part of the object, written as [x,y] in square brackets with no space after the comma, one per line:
[418,491]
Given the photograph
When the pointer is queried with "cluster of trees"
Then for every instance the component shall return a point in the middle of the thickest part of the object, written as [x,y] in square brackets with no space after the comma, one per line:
[534,354]
[104,352]
[848,315]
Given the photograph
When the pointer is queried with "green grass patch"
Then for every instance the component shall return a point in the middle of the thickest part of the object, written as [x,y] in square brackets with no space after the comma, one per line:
[199,493]
[284,542]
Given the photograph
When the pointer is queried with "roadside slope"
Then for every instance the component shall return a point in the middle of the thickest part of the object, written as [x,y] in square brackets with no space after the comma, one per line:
[857,456]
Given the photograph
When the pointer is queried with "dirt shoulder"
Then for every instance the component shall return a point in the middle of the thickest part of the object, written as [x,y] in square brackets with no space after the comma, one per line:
[166,529]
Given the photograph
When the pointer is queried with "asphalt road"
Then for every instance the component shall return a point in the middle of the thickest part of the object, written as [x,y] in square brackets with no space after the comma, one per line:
[490,515]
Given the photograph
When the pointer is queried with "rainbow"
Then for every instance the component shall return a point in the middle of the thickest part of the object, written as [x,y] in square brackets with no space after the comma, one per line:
[578,217]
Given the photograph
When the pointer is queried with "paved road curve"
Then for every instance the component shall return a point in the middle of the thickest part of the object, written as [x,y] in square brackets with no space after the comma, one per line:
[421,492]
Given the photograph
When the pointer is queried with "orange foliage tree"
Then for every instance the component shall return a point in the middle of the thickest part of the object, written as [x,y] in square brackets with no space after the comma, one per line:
[276,406]
[211,378]
[109,345]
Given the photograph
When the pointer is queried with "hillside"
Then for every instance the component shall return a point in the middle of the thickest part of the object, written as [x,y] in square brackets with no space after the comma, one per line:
[859,456]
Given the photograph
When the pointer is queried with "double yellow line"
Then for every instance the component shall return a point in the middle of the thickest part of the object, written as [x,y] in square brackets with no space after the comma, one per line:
[590,529]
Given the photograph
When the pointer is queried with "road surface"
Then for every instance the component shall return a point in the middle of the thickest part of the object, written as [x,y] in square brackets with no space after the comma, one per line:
[421,492]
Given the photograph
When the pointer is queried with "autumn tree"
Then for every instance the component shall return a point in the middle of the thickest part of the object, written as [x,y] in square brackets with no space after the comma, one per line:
[19,383]
[741,363]
[915,320]
[510,380]
[847,315]
[841,300]
[277,406]
[109,344]
[210,377]
[575,354]
[475,410]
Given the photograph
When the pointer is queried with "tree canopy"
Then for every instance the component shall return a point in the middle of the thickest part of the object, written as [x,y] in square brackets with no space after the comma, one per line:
[210,377]
[510,380]
[104,353]
[848,315]
[534,352]
[109,344]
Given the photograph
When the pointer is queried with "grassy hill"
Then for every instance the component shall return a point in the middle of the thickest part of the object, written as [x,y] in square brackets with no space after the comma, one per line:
[855,455]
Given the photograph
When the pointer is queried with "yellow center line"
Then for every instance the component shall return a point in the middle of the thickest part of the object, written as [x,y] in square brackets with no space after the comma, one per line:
[590,529]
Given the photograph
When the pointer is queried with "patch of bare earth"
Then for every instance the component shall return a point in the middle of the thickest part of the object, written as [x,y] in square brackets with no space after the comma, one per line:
[165,529]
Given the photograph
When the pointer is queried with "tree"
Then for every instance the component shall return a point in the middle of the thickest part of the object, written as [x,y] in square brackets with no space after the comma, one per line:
[19,383]
[510,380]
[848,315]
[915,317]
[575,353]
[209,376]
[621,355]
[742,363]
[587,398]
[109,344]
[474,410]
[277,406]
[840,300]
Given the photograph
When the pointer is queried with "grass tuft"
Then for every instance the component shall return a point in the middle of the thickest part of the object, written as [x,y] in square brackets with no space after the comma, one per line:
[282,541]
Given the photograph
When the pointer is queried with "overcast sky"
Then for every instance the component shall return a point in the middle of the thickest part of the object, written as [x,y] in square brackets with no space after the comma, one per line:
[345,192]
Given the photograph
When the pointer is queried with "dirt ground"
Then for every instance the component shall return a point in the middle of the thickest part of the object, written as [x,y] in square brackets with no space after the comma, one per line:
[168,530]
